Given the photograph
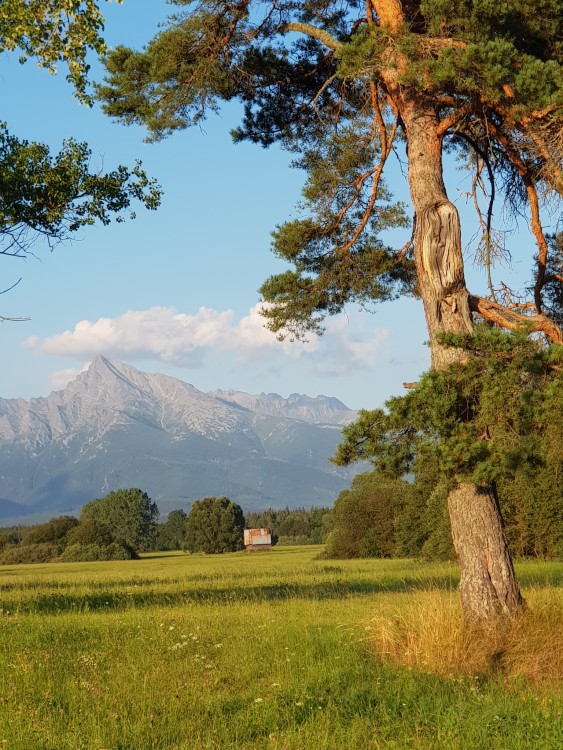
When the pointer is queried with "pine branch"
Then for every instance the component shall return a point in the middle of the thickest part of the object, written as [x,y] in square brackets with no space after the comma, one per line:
[513,320]
[323,36]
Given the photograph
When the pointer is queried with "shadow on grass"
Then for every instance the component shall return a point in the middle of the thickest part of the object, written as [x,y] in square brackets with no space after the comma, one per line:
[137,593]
[110,599]
[553,577]
[104,585]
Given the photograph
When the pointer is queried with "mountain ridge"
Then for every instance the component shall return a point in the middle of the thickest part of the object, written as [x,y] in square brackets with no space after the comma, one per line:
[116,426]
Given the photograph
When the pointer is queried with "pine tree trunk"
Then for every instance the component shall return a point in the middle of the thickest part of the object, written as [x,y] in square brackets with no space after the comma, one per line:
[488,583]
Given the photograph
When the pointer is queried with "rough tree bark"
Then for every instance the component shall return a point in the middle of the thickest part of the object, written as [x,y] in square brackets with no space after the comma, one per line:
[488,584]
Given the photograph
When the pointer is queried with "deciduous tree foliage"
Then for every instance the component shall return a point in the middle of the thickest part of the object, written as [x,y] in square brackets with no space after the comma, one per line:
[365,517]
[53,196]
[66,539]
[345,86]
[130,515]
[215,525]
[91,531]
[172,533]
[52,32]
[53,532]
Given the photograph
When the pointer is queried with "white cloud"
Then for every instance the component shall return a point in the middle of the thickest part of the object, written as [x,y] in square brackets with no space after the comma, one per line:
[182,340]
[348,348]
[60,378]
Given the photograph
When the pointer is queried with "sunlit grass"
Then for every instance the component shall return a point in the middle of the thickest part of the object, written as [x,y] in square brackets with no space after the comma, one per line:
[272,650]
[428,632]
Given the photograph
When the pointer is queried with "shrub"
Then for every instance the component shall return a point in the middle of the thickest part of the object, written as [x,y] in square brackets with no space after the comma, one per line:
[30,553]
[52,532]
[93,552]
[89,532]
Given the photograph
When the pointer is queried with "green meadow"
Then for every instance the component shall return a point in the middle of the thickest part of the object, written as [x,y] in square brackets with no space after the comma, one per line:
[279,650]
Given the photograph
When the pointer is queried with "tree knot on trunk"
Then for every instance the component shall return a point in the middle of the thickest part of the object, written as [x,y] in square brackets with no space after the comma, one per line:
[440,241]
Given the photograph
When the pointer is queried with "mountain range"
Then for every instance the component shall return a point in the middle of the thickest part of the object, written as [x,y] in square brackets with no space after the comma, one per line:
[115,426]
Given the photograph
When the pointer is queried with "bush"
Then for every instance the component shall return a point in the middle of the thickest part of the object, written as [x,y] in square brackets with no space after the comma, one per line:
[90,532]
[94,552]
[52,532]
[30,553]
[10,537]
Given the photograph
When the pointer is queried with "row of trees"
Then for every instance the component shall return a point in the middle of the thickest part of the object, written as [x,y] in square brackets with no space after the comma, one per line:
[381,516]
[378,516]
[115,527]
[299,526]
[122,524]
[217,524]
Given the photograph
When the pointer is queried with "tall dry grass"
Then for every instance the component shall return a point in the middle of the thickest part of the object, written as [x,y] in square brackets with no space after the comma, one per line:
[429,633]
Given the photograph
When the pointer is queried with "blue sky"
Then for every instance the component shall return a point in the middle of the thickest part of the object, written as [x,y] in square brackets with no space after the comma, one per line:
[175,290]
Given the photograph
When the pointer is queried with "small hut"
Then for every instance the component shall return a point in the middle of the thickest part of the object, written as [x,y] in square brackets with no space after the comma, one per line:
[257,540]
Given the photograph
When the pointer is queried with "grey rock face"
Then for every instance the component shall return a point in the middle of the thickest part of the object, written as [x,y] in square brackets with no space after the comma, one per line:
[115,426]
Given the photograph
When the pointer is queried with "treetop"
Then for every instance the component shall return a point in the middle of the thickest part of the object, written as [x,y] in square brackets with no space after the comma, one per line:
[55,31]
[335,83]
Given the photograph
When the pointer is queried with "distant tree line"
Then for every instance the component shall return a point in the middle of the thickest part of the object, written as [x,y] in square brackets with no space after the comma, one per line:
[383,517]
[120,526]
[217,524]
[298,526]
[378,516]
[115,527]
[124,523]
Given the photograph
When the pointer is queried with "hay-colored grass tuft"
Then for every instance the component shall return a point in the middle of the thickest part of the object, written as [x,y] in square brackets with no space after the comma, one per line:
[428,633]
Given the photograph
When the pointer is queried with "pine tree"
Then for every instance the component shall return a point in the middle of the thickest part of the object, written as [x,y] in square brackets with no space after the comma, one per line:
[343,85]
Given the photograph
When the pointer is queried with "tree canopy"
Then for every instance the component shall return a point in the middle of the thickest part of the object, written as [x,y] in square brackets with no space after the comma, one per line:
[53,196]
[324,80]
[215,525]
[52,32]
[172,533]
[483,418]
[365,517]
[130,515]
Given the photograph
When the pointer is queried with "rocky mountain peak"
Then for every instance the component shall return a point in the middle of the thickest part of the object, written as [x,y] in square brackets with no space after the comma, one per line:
[318,410]
[114,426]
[111,393]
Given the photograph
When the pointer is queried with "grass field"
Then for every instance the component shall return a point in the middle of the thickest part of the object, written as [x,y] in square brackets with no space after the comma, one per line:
[272,651]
